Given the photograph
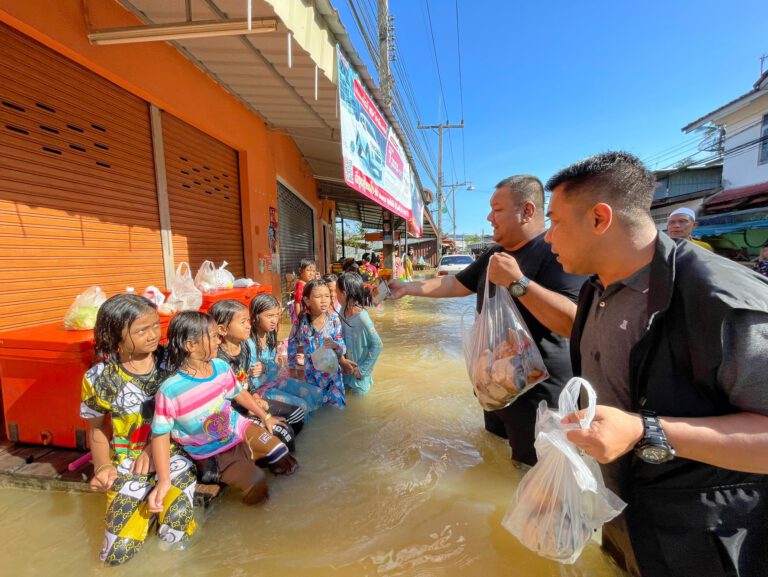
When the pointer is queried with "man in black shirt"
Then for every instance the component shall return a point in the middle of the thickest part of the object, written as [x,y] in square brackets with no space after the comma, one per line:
[524,264]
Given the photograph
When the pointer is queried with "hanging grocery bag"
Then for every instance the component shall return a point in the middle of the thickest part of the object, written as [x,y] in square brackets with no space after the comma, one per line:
[223,279]
[82,314]
[184,296]
[502,360]
[562,500]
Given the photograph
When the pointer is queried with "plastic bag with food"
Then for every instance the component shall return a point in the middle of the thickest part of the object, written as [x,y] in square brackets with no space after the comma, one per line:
[502,360]
[82,314]
[205,279]
[562,500]
[184,294]
[325,359]
[223,279]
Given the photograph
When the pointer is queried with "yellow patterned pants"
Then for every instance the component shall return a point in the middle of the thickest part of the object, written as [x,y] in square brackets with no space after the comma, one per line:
[128,518]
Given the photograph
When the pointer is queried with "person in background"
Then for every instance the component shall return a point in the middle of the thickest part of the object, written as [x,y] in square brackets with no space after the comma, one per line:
[307,272]
[363,342]
[408,265]
[332,281]
[122,386]
[680,224]
[674,340]
[762,261]
[523,264]
[367,270]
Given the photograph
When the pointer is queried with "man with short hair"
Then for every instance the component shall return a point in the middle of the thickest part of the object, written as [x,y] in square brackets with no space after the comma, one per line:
[523,264]
[680,224]
[675,341]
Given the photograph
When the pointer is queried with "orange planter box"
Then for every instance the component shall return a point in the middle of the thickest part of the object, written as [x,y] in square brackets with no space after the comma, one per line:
[244,295]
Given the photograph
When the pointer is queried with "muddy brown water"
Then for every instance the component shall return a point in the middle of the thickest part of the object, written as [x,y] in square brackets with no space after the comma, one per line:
[404,482]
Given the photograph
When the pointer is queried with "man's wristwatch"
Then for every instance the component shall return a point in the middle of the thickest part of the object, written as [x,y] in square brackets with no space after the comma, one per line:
[653,447]
[519,288]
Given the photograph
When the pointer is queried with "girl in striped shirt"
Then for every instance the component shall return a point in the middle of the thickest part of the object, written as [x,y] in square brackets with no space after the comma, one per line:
[194,408]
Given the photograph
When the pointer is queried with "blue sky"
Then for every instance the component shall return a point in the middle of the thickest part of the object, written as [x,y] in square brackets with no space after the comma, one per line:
[547,83]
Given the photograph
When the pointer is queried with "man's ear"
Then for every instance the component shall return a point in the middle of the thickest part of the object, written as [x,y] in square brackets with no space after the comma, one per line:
[601,215]
[529,210]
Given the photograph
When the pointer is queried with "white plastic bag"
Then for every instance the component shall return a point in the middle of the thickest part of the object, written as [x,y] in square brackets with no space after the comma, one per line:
[562,500]
[82,314]
[223,278]
[502,360]
[205,279]
[184,295]
[154,294]
[325,359]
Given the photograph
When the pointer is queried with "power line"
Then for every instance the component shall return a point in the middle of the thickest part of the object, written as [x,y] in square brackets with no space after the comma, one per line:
[461,89]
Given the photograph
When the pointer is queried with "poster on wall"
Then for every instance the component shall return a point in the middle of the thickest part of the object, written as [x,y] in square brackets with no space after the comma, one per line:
[273,261]
[375,163]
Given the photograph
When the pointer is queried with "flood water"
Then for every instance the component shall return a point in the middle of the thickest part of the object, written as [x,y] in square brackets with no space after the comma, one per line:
[404,482]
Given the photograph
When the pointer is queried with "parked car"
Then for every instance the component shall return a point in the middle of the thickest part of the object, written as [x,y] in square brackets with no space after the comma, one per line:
[453,263]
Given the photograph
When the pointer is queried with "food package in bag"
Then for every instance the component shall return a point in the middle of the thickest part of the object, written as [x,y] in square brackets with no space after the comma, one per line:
[502,360]
[205,279]
[562,499]
[184,296]
[223,279]
[325,359]
[82,314]
[154,294]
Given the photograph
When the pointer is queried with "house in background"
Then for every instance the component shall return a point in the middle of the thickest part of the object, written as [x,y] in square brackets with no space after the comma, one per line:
[737,217]
[683,187]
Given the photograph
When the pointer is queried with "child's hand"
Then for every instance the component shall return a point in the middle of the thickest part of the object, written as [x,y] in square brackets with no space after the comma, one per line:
[143,463]
[157,496]
[347,367]
[261,402]
[256,369]
[300,359]
[104,478]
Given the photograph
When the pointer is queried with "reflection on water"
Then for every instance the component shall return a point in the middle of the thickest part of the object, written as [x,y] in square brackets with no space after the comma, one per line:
[405,482]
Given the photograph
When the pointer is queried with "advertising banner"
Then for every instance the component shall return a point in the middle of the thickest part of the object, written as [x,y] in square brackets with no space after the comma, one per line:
[374,160]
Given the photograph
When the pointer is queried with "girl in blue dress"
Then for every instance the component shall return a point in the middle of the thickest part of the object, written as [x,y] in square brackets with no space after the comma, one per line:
[318,331]
[271,383]
[363,342]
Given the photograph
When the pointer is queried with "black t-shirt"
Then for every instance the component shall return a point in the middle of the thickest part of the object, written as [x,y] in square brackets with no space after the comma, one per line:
[539,264]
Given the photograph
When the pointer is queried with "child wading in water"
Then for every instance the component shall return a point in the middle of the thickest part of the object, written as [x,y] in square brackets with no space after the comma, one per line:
[307,272]
[318,329]
[234,326]
[193,406]
[363,342]
[265,368]
[123,385]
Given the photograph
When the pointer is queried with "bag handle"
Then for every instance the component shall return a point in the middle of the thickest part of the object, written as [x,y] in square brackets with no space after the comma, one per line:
[179,268]
[569,400]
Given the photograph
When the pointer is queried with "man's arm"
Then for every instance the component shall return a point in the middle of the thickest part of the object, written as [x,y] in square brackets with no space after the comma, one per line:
[437,288]
[738,442]
[554,310]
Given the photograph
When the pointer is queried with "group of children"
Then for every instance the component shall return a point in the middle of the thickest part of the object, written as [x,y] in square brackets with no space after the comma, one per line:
[220,400]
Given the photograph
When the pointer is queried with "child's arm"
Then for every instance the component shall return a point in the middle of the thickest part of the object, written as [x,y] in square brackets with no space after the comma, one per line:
[161,449]
[246,400]
[293,346]
[374,346]
[104,472]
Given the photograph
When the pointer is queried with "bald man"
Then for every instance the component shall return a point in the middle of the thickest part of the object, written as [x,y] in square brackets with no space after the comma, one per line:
[681,223]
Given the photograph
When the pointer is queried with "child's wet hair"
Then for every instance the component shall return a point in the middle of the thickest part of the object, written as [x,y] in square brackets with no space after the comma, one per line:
[186,326]
[115,315]
[330,277]
[352,286]
[224,311]
[260,304]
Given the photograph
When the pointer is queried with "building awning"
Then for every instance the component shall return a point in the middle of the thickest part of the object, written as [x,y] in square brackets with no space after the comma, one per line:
[735,221]
[351,205]
[741,197]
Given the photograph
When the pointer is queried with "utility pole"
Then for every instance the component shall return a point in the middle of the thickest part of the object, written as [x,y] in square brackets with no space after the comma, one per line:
[453,188]
[385,50]
[440,128]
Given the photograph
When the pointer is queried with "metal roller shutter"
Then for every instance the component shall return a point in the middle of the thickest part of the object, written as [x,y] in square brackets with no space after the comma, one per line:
[78,202]
[296,231]
[203,197]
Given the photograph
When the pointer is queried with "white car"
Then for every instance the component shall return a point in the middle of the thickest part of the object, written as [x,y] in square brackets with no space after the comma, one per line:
[453,263]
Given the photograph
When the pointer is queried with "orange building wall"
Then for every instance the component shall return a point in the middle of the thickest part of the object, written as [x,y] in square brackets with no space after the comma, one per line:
[158,73]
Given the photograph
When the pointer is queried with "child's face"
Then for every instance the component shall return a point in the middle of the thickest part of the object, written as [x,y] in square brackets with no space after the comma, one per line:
[142,336]
[204,349]
[341,297]
[268,320]
[334,292]
[308,273]
[239,328]
[319,301]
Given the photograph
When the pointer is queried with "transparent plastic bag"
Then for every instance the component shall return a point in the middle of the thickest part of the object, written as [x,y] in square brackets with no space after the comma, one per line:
[562,500]
[223,279]
[184,296]
[502,360]
[82,314]
[325,359]
[154,294]
[205,279]
[379,291]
